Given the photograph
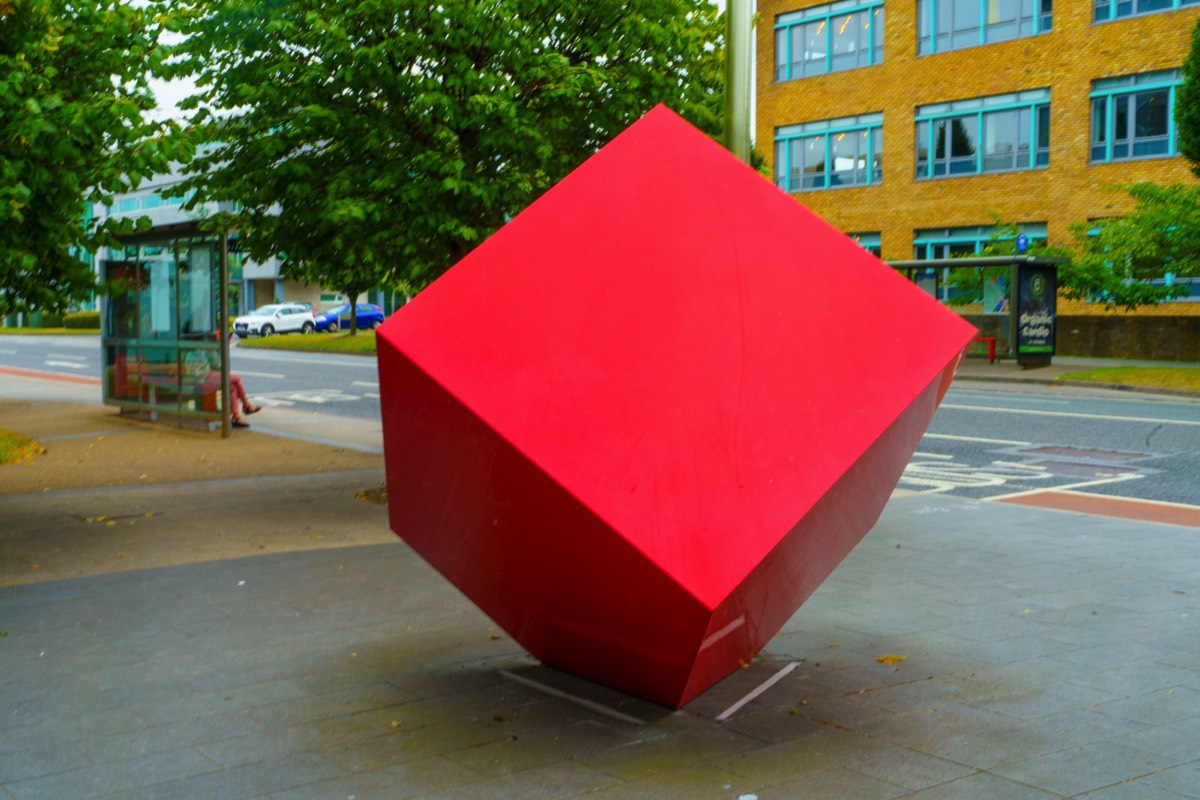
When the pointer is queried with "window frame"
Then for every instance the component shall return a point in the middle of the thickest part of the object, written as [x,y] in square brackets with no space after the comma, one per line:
[976,237]
[785,137]
[1034,101]
[824,16]
[1110,10]
[1040,20]
[871,241]
[1105,94]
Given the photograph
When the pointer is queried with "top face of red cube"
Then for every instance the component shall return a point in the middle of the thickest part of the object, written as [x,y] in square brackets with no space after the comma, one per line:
[682,346]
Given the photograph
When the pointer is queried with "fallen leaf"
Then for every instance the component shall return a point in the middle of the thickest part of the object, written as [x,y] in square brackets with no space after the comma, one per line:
[890,659]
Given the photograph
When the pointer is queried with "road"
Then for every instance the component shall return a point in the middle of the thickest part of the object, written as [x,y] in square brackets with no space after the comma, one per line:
[333,384]
[1008,439]
[987,441]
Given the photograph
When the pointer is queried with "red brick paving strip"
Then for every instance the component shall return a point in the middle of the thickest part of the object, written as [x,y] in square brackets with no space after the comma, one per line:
[1143,510]
[48,376]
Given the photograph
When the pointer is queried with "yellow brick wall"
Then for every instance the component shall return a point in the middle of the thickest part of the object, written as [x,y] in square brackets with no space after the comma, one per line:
[1065,60]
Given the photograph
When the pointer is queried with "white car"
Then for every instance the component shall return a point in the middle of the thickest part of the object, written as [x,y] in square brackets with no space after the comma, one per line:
[276,318]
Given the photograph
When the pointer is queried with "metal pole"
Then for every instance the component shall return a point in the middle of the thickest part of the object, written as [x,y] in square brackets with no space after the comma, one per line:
[739,49]
[223,337]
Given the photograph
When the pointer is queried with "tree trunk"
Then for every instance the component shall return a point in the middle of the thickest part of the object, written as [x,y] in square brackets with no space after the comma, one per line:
[353,298]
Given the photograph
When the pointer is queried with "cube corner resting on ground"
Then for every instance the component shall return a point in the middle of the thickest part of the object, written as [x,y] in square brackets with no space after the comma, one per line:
[640,424]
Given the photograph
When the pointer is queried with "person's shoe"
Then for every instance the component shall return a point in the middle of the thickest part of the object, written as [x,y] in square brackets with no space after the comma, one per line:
[241,423]
[252,409]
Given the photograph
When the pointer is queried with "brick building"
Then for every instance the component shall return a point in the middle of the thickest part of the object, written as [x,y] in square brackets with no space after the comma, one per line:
[908,122]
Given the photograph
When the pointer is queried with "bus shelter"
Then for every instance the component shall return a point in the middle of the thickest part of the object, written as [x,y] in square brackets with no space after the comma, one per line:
[162,342]
[1023,297]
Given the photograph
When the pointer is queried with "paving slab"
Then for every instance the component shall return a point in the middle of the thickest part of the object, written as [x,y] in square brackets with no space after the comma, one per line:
[356,670]
[237,629]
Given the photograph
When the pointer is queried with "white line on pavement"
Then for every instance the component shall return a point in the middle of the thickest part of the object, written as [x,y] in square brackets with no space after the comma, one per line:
[259,374]
[69,364]
[368,384]
[592,704]
[1035,413]
[762,687]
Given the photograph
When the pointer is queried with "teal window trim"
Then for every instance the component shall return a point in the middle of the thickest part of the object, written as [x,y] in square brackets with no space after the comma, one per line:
[977,237]
[829,131]
[871,242]
[825,16]
[1040,20]
[1110,10]
[977,109]
[927,244]
[1107,94]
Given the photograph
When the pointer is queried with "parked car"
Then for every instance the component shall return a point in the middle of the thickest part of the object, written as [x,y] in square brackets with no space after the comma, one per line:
[370,316]
[276,318]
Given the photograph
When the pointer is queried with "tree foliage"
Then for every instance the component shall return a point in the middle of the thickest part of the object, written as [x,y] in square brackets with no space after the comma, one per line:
[1187,105]
[372,142]
[968,281]
[73,98]
[1116,259]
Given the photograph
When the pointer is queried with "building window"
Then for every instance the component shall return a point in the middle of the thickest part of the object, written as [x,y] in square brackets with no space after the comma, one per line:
[956,242]
[952,242]
[871,242]
[1002,133]
[944,25]
[1106,10]
[830,38]
[829,154]
[1131,116]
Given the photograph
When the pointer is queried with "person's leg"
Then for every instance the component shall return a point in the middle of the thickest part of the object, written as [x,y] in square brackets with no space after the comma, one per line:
[238,390]
[240,393]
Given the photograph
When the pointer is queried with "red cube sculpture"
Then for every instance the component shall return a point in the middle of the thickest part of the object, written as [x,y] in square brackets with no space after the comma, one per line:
[641,423]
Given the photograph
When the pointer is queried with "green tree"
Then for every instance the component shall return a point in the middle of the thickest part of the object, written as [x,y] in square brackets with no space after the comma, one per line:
[1187,105]
[372,143]
[73,129]
[968,281]
[1116,258]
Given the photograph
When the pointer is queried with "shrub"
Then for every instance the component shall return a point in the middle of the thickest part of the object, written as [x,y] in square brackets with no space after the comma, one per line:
[82,319]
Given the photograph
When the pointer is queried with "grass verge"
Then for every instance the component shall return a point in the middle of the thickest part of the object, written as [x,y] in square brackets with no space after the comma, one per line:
[49,331]
[1187,378]
[362,343]
[14,447]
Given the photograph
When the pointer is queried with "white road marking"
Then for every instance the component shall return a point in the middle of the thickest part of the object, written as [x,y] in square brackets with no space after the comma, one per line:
[1066,487]
[259,374]
[1110,417]
[977,439]
[68,364]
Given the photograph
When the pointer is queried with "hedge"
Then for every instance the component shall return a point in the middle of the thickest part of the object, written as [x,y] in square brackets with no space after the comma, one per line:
[82,319]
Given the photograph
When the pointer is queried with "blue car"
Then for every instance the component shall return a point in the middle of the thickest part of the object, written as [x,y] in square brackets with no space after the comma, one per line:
[370,317]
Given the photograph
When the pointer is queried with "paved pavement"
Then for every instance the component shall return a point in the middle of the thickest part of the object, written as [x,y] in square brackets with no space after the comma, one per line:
[232,619]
